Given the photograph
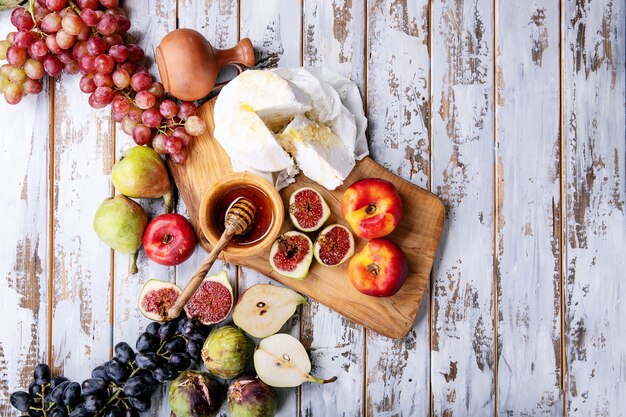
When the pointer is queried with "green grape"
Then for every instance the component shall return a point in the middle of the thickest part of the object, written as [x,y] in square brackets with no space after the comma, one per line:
[4,45]
[13,93]
[17,75]
[5,70]
[4,82]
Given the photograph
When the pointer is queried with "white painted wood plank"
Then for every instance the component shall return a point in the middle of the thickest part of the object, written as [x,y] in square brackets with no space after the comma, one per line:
[81,327]
[595,224]
[397,87]
[276,32]
[217,20]
[398,71]
[150,22]
[462,340]
[24,266]
[333,34]
[528,222]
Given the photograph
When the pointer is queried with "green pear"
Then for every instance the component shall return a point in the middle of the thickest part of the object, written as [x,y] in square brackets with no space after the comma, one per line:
[141,173]
[120,223]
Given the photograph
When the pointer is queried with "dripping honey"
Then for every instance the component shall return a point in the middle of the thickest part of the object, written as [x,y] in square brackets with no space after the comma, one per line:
[264,215]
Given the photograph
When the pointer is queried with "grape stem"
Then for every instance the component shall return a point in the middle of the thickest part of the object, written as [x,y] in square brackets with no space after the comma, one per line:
[74,8]
[77,12]
[114,397]
[168,126]
[43,397]
[163,355]
[31,10]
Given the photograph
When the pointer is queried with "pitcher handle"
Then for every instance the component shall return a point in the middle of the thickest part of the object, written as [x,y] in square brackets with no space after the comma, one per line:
[240,68]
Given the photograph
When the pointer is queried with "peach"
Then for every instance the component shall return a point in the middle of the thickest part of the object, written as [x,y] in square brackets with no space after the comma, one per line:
[372,207]
[379,269]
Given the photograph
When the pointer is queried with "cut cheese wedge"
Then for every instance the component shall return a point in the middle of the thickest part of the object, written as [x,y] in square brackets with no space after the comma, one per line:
[326,104]
[319,153]
[243,133]
[247,112]
[273,98]
[265,119]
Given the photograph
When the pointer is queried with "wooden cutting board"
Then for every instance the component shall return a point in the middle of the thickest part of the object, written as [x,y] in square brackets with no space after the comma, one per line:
[417,234]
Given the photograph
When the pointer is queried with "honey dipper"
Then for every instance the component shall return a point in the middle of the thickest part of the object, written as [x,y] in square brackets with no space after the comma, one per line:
[239,218]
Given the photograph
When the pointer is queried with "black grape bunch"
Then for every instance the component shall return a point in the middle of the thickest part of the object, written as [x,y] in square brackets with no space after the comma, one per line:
[122,386]
[90,37]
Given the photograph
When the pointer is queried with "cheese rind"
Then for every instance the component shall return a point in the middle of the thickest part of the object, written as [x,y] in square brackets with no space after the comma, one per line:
[319,153]
[272,97]
[245,111]
[244,134]
[265,119]
[326,104]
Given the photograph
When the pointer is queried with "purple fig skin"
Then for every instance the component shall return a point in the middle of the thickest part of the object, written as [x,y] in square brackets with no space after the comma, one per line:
[226,352]
[250,397]
[195,394]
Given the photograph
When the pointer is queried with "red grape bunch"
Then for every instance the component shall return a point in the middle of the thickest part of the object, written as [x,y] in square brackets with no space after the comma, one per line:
[89,37]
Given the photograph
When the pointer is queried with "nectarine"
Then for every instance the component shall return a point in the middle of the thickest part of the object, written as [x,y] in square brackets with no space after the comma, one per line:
[379,269]
[372,207]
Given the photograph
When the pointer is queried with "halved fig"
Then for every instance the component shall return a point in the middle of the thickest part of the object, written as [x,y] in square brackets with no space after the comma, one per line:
[212,301]
[156,298]
[334,245]
[307,209]
[291,255]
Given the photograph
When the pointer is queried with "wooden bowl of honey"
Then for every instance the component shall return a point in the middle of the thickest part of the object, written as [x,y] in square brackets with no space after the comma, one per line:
[227,191]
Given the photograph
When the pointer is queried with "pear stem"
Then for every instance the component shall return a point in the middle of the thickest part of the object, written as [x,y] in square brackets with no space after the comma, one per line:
[168,199]
[317,380]
[132,263]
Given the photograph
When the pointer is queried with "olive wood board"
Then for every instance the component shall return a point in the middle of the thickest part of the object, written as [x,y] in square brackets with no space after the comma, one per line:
[417,234]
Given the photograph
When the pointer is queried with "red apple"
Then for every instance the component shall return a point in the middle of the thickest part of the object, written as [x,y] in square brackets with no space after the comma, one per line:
[372,207]
[379,269]
[169,239]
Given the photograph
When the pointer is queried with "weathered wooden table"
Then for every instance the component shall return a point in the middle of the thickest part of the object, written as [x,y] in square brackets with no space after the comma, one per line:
[511,111]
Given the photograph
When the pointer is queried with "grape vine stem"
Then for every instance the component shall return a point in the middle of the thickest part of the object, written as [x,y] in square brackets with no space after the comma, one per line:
[115,396]
[31,10]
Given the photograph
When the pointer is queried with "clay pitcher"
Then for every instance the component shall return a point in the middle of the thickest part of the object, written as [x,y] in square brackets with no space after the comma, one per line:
[189,65]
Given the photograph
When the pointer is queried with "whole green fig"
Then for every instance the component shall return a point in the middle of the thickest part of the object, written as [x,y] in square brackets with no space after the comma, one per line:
[141,173]
[195,394]
[226,352]
[120,222]
[251,397]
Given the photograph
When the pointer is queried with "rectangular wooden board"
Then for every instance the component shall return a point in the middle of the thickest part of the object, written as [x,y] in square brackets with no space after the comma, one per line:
[417,234]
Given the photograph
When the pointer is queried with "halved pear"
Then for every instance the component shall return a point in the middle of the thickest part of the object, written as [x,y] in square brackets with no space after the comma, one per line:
[263,309]
[282,361]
